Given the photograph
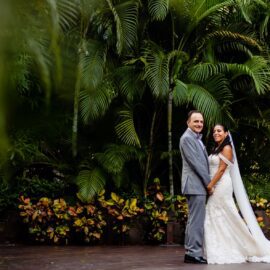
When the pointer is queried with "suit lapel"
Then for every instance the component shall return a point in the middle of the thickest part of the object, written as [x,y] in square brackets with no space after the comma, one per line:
[206,156]
[204,151]
[191,133]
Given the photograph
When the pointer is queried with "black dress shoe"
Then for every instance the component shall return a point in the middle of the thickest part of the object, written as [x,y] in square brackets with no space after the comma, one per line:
[197,260]
[204,260]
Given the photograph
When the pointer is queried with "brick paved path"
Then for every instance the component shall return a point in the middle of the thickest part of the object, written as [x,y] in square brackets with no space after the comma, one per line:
[105,258]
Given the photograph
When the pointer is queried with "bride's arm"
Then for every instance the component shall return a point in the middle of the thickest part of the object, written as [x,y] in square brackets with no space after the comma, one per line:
[227,153]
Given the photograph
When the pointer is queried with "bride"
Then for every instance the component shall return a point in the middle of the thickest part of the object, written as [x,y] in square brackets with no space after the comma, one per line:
[228,237]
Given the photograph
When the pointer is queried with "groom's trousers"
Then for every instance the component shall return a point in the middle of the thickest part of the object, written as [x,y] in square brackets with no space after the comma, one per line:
[194,235]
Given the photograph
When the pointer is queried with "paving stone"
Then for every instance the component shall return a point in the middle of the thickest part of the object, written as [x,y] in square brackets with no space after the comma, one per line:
[22,257]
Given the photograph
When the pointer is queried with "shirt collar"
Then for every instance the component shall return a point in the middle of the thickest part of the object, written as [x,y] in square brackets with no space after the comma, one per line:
[197,135]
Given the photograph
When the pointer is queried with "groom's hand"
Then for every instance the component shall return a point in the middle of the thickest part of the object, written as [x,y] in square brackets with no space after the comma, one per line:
[210,190]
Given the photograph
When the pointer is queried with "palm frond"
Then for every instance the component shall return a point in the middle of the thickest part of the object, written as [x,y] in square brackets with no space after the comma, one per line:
[229,47]
[203,9]
[89,9]
[90,183]
[20,76]
[264,27]
[126,19]
[219,87]
[257,123]
[54,46]
[69,12]
[157,70]
[257,69]
[205,102]
[114,158]
[248,8]
[236,25]
[181,55]
[63,15]
[213,99]
[97,92]
[130,82]
[92,62]
[158,9]
[191,13]
[125,129]
[245,9]
[94,103]
[201,72]
[234,36]
[43,60]
[180,93]
[121,179]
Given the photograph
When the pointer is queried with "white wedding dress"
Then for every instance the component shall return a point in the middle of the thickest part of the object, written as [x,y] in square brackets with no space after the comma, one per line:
[227,236]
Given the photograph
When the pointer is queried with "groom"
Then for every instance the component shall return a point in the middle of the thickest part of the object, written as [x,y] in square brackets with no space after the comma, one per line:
[195,178]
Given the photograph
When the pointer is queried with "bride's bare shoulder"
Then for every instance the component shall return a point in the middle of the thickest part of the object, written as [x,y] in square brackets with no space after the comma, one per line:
[227,147]
[227,152]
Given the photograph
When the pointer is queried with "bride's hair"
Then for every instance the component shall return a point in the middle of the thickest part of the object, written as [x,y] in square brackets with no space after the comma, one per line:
[217,149]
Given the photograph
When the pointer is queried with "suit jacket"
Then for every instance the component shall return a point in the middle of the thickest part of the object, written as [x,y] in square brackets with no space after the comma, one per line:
[195,170]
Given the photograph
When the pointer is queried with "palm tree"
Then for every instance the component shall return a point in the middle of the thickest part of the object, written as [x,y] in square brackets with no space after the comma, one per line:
[192,72]
[163,69]
[29,53]
[110,32]
[99,44]
[101,53]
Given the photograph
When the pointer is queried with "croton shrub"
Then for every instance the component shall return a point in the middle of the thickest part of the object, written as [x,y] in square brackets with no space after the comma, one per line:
[160,207]
[55,221]
[48,220]
[261,207]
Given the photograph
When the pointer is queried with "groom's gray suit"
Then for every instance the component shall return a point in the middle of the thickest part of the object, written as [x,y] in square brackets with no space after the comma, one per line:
[195,178]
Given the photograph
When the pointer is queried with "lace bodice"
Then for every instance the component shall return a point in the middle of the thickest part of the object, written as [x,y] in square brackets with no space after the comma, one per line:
[214,161]
[227,237]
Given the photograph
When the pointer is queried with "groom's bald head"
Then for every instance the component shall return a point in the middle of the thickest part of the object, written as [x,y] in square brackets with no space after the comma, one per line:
[192,112]
[195,121]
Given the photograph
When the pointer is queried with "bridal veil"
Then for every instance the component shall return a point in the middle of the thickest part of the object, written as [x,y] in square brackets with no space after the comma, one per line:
[245,207]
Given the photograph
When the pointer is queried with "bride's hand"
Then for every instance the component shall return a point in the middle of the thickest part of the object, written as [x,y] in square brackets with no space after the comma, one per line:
[210,189]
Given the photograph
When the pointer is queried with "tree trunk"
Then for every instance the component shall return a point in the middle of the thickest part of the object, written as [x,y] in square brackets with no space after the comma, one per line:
[170,159]
[149,153]
[76,109]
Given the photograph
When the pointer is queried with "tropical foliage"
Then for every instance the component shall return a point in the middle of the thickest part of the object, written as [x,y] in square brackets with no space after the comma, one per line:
[94,94]
[55,221]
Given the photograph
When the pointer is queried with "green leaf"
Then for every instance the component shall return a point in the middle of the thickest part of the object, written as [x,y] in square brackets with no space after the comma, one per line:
[130,82]
[115,156]
[203,71]
[125,129]
[158,9]
[257,68]
[126,19]
[157,70]
[90,183]
[93,59]
[69,12]
[94,103]
[180,93]
[212,99]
